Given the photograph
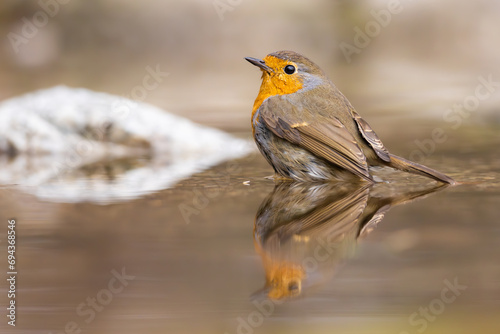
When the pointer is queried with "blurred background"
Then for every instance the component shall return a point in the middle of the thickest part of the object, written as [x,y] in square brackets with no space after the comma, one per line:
[404,65]
[427,57]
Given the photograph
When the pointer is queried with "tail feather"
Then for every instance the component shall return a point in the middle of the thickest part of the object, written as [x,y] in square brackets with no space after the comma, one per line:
[414,168]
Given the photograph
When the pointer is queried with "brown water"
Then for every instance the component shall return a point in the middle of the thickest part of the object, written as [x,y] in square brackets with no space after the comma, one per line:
[400,257]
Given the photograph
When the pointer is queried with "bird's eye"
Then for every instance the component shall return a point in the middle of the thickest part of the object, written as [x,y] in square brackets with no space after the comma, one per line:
[293,287]
[289,69]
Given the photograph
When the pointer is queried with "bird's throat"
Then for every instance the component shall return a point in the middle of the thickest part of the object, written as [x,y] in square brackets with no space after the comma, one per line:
[275,84]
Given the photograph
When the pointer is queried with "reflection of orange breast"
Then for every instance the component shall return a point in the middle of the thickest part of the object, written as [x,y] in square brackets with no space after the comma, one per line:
[281,275]
[284,279]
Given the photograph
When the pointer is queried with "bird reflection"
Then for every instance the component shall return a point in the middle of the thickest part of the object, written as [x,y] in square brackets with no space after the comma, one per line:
[304,231]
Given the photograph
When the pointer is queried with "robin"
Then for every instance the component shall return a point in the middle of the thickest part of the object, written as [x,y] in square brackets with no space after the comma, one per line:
[308,130]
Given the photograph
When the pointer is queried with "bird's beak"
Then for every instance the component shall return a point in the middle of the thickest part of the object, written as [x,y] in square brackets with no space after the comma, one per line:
[259,63]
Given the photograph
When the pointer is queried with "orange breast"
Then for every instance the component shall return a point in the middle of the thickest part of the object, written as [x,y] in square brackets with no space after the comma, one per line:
[277,83]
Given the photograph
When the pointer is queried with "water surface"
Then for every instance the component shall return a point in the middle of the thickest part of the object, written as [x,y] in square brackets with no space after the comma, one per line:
[195,263]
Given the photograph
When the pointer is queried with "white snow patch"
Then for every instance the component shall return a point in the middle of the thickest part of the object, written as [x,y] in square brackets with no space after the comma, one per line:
[53,133]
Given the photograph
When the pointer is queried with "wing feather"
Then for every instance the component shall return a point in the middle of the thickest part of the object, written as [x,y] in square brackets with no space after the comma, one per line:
[328,139]
[371,137]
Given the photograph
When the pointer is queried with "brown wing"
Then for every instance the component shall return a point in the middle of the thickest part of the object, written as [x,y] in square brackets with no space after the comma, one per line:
[338,216]
[328,139]
[371,137]
[335,212]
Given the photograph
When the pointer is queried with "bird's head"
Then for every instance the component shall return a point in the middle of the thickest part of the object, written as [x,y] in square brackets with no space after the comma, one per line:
[286,72]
